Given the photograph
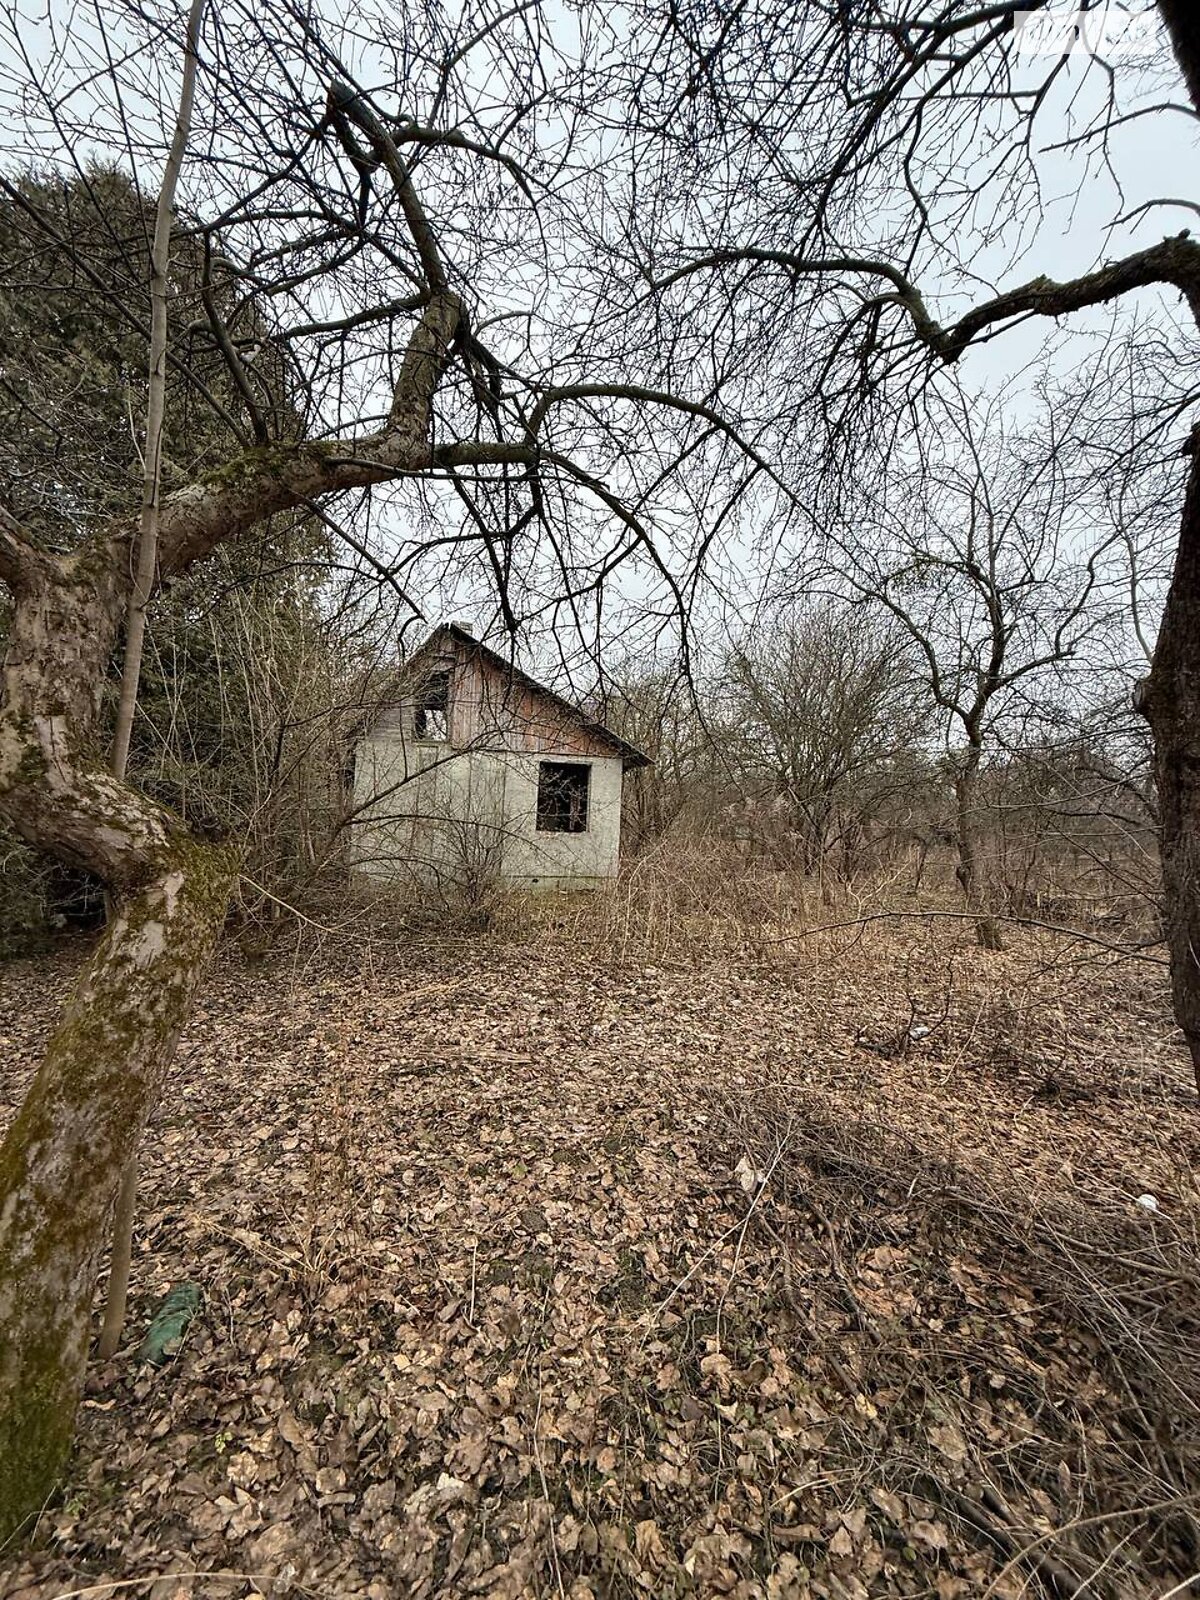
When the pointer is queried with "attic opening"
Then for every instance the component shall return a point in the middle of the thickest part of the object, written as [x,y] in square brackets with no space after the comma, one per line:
[431,715]
[562,797]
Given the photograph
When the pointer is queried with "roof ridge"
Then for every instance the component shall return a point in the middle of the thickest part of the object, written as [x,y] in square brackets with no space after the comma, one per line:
[629,752]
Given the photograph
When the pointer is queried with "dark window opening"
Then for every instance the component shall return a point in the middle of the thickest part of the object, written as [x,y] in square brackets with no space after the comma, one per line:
[562,798]
[431,718]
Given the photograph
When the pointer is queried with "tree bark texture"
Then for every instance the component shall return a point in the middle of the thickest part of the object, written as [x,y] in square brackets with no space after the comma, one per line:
[62,1160]
[72,1139]
[1170,700]
[986,929]
[79,1124]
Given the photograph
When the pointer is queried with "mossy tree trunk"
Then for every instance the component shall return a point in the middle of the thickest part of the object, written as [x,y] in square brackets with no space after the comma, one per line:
[64,1156]
[61,1161]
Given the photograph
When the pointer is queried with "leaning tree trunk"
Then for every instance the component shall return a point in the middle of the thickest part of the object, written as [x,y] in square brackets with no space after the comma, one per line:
[63,1158]
[1170,700]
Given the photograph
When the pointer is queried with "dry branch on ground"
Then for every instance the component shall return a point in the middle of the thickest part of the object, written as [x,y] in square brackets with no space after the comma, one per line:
[490,1309]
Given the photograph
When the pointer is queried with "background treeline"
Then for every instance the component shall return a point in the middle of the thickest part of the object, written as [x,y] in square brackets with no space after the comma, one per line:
[817,751]
[940,701]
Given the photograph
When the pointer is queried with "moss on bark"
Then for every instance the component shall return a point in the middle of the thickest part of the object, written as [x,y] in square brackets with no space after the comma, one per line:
[62,1160]
[269,460]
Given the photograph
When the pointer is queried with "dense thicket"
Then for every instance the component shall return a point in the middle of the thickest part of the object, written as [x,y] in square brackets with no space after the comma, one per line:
[241,714]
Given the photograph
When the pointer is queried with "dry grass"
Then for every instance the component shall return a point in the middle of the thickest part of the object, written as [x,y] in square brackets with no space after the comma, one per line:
[689,898]
[495,1303]
[1036,1360]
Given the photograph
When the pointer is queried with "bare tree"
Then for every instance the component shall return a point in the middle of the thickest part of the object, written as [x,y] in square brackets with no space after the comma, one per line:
[855,166]
[668,714]
[1073,833]
[977,558]
[821,704]
[369,256]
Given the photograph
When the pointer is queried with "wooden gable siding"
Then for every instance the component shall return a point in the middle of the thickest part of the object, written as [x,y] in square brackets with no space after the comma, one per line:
[494,708]
[489,708]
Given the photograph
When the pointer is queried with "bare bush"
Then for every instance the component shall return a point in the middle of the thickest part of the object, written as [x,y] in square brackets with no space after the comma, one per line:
[822,706]
[963,1309]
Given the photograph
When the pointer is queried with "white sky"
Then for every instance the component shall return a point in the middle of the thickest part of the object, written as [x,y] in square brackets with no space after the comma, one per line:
[1152,157]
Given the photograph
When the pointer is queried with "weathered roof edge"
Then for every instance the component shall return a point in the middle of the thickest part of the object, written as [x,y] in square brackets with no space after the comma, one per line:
[629,753]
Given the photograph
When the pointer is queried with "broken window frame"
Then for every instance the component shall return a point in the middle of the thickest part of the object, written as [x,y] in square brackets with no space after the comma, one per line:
[563,796]
[431,708]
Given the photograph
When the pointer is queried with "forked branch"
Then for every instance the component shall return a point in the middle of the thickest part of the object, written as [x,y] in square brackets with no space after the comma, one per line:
[1172,263]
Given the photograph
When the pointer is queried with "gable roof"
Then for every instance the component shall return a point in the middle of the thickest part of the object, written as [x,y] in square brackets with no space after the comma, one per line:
[629,753]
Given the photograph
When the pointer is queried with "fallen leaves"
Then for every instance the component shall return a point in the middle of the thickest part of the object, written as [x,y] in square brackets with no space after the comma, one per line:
[484,1314]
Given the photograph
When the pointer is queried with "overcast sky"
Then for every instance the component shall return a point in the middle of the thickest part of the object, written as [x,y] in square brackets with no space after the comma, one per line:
[1152,157]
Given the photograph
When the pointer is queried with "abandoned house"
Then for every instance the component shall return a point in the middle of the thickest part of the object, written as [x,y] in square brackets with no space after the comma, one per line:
[479,774]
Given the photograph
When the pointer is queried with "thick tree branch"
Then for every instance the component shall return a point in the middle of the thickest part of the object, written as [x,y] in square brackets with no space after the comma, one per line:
[484,453]
[283,477]
[643,396]
[451,139]
[19,560]
[424,364]
[358,319]
[791,262]
[345,109]
[1173,263]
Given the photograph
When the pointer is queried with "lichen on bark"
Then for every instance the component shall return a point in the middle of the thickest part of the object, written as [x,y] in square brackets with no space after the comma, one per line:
[63,1157]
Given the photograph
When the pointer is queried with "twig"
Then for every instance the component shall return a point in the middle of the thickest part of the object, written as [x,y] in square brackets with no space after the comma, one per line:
[996,1524]
[1134,952]
[219,1575]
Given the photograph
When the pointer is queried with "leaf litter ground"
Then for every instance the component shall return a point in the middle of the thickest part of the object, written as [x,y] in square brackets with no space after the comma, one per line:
[532,1270]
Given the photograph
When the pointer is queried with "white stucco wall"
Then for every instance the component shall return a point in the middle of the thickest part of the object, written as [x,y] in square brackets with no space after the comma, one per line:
[475,811]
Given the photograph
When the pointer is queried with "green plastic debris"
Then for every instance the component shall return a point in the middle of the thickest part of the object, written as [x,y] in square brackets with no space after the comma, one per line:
[169,1324]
